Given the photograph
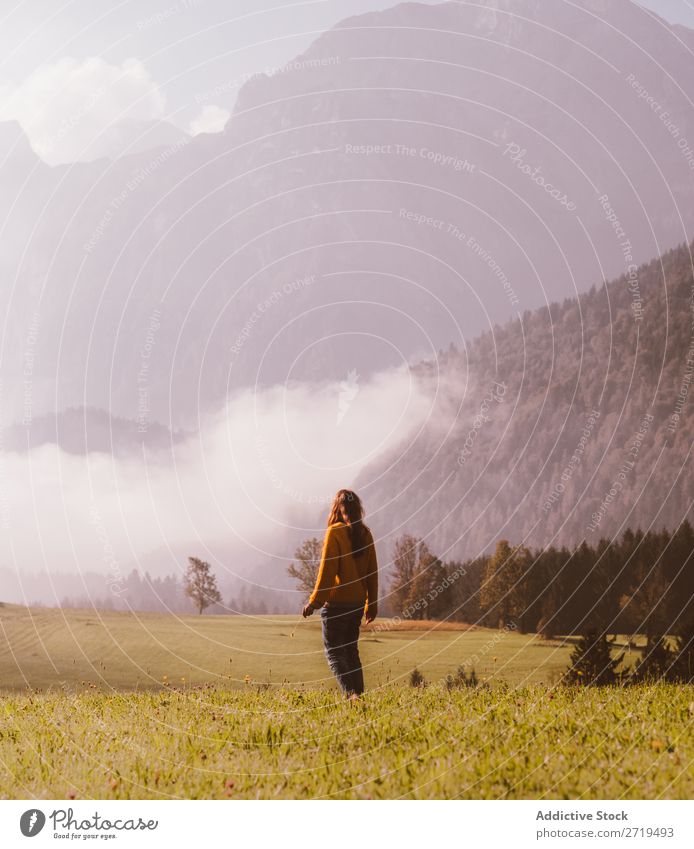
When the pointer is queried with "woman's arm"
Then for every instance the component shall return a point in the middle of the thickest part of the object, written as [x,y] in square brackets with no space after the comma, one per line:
[327,571]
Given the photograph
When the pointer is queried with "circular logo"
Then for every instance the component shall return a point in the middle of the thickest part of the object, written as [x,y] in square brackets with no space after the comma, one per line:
[31,822]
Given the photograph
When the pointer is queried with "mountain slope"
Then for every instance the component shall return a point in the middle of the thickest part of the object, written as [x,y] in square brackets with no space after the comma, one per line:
[594,427]
[418,175]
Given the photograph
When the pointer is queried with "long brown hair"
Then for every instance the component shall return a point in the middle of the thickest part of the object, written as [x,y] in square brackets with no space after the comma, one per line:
[347,508]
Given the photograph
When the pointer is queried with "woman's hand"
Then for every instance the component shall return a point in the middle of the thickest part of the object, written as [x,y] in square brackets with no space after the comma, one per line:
[308,610]
[371,613]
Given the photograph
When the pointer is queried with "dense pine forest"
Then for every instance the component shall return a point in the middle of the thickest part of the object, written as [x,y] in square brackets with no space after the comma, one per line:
[637,584]
[641,584]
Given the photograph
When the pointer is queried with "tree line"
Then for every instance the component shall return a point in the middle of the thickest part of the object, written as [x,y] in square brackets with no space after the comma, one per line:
[195,590]
[639,584]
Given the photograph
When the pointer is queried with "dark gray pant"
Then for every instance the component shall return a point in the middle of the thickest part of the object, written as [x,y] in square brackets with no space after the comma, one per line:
[341,641]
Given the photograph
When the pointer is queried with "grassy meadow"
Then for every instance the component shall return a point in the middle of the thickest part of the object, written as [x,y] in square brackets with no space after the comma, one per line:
[49,649]
[150,706]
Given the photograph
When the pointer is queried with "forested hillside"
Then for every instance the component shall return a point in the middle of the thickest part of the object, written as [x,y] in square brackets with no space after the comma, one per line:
[568,424]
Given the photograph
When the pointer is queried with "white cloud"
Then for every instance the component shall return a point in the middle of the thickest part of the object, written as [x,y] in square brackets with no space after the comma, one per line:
[270,459]
[64,107]
[211,119]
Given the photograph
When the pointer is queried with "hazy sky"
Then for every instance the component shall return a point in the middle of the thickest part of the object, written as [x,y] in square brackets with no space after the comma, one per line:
[677,11]
[179,60]
[94,62]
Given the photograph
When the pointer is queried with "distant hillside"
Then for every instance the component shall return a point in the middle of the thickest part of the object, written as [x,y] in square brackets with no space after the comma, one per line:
[81,430]
[594,427]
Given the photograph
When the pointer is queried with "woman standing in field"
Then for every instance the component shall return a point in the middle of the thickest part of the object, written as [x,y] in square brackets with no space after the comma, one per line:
[346,589]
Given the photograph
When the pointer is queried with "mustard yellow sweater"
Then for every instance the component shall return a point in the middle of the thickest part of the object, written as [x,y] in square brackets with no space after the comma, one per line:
[343,578]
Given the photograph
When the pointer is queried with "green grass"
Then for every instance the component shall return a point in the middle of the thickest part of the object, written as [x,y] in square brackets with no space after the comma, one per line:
[399,742]
[86,713]
[44,648]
